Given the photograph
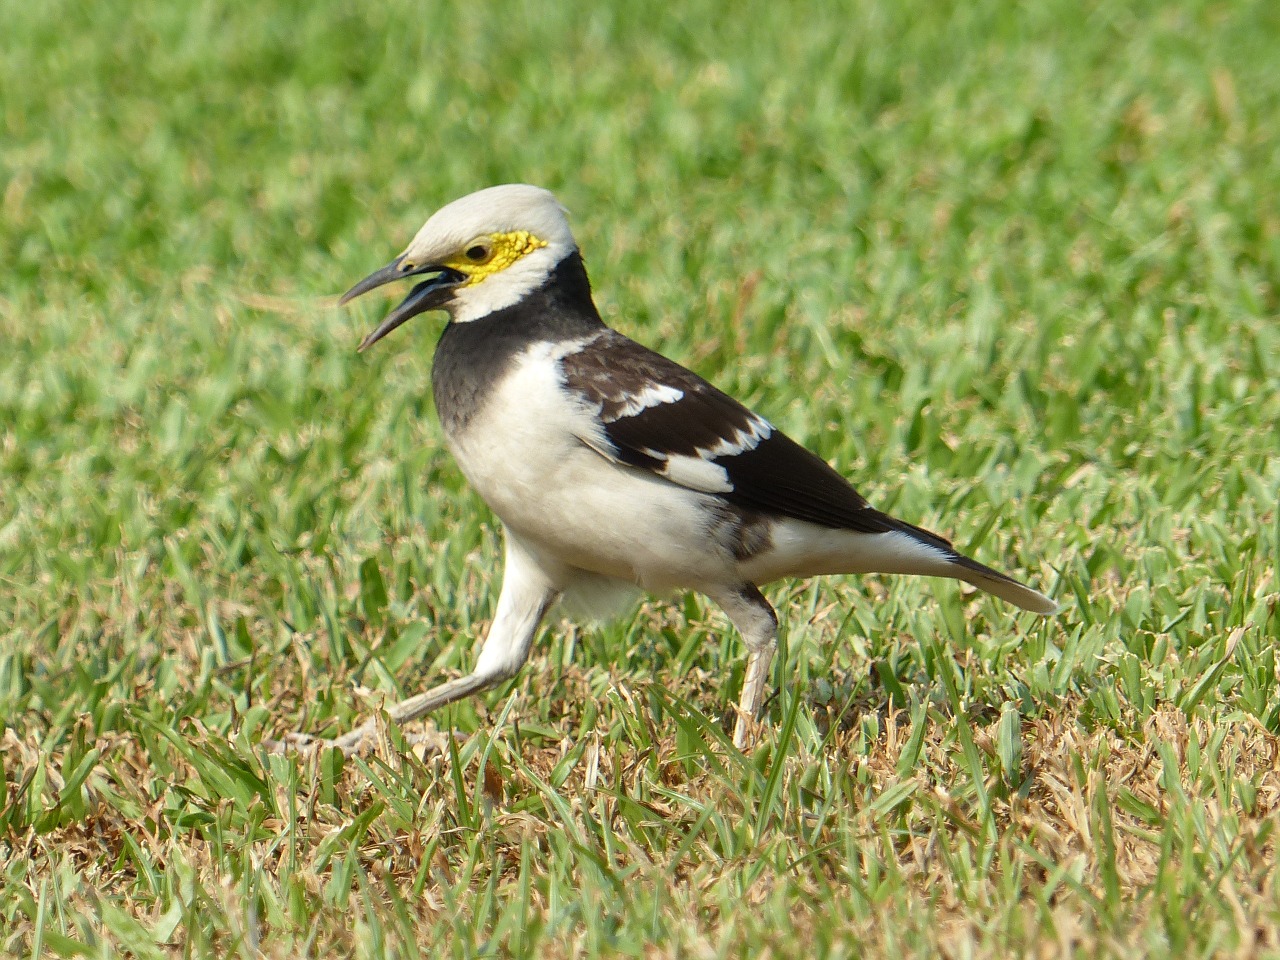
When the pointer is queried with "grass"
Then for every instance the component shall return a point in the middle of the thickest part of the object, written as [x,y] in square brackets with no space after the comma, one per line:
[1011,268]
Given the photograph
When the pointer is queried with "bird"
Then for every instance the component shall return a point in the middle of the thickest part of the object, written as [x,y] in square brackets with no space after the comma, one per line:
[612,469]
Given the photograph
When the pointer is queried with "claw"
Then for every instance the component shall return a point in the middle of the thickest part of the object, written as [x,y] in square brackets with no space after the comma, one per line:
[362,739]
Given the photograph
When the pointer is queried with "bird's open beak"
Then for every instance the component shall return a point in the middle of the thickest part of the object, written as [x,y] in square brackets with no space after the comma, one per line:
[431,293]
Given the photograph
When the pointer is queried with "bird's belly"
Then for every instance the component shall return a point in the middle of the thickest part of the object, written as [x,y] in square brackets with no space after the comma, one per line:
[595,515]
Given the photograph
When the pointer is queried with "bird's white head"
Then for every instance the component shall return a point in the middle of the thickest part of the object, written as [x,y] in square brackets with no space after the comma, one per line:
[485,251]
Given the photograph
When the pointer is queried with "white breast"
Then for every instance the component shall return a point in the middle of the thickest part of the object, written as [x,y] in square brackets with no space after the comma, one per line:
[523,455]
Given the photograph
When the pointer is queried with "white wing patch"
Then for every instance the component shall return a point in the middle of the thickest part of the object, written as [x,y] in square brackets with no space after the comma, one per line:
[653,395]
[758,430]
[561,349]
[695,473]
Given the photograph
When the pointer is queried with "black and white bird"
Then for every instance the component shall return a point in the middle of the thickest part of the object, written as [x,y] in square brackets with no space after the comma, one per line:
[611,467]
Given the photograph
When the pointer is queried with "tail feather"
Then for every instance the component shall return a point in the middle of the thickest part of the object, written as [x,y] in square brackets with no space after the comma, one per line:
[981,576]
[799,548]
[1006,588]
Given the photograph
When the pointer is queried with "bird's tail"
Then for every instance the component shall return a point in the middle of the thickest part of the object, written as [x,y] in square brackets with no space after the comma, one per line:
[980,575]
[1006,588]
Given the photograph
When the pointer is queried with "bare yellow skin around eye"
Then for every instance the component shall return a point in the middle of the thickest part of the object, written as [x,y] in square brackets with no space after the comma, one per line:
[506,249]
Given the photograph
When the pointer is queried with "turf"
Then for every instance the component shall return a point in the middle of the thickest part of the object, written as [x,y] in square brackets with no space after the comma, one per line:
[1012,268]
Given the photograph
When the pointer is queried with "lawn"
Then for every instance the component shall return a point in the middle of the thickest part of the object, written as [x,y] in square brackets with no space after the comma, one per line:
[1011,268]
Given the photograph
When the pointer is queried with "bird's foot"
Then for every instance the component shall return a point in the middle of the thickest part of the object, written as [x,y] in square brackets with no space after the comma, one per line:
[746,731]
[363,739]
[305,744]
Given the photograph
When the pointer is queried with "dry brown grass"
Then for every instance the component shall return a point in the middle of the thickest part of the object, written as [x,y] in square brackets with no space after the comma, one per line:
[1105,845]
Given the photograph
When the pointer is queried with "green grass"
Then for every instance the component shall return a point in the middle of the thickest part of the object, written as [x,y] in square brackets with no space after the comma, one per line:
[1013,269]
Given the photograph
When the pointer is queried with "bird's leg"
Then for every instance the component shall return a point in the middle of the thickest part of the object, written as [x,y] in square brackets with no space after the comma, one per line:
[409,709]
[751,614]
[753,690]
[526,595]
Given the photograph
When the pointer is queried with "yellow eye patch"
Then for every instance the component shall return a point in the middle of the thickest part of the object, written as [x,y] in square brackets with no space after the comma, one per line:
[493,254]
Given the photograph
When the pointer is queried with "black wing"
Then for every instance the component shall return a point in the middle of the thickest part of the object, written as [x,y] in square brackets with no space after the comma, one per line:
[658,416]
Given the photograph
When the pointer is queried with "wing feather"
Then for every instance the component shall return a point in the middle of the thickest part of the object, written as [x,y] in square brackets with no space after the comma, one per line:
[656,415]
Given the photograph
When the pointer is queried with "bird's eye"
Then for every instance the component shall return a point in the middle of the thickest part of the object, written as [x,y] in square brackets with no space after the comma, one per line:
[478,252]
